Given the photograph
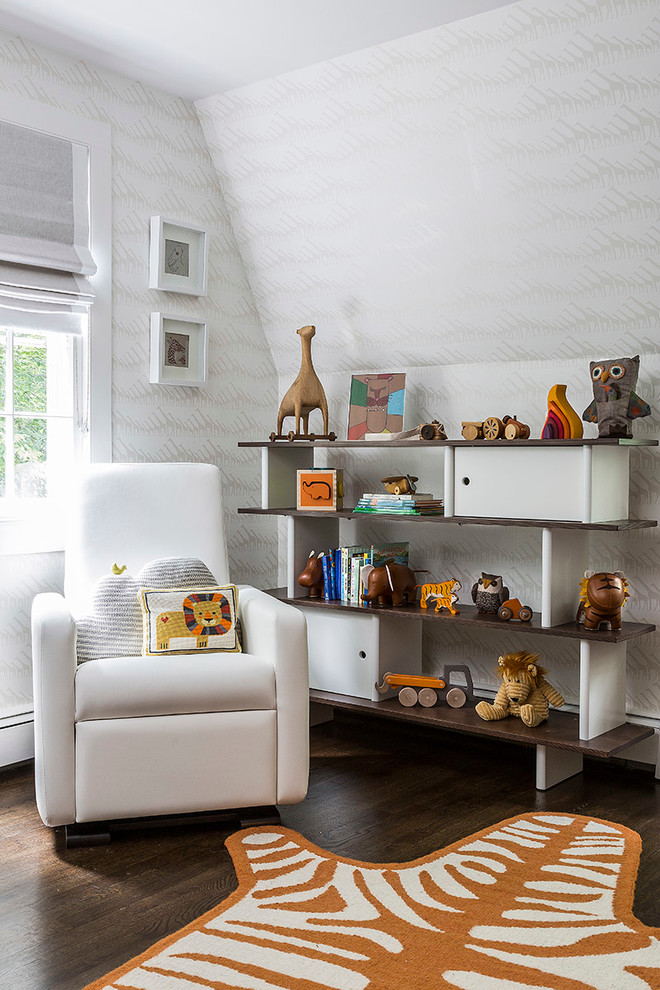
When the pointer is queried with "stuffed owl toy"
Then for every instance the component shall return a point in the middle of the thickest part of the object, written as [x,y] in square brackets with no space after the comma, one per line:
[489,592]
[615,403]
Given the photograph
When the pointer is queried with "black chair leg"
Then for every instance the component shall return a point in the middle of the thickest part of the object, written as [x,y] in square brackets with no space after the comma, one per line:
[260,816]
[82,834]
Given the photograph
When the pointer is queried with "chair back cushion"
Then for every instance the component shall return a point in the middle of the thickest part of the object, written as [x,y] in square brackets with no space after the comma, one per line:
[134,513]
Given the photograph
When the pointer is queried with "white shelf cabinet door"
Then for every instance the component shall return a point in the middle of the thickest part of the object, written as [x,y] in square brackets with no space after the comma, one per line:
[579,483]
[349,653]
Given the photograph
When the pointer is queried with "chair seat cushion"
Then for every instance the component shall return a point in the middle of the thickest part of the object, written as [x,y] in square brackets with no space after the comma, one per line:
[129,687]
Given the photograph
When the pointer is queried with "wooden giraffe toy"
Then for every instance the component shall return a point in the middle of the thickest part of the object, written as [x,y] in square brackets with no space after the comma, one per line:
[305,394]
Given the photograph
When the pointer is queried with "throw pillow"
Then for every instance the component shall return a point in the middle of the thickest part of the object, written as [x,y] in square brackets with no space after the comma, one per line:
[185,620]
[114,626]
[175,572]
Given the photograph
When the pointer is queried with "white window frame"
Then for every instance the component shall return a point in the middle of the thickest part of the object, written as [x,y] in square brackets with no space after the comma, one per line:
[22,535]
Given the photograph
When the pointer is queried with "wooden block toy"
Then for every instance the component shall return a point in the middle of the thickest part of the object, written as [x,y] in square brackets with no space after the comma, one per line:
[320,489]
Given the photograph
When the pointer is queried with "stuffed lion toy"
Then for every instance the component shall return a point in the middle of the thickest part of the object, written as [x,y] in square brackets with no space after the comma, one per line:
[524,691]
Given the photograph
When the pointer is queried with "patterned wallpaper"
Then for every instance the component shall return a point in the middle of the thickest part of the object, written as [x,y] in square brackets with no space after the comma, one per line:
[160,166]
[475,205]
[468,203]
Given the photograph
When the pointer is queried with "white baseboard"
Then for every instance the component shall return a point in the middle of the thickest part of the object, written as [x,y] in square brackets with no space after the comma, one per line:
[16,739]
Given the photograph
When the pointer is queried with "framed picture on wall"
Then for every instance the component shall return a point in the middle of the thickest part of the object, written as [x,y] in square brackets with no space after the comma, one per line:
[178,257]
[178,354]
[376,404]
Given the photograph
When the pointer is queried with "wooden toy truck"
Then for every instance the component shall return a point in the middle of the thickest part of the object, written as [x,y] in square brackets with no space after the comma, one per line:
[415,688]
[494,429]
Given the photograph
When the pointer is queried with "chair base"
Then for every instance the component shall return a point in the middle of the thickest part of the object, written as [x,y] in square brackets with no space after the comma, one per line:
[100,833]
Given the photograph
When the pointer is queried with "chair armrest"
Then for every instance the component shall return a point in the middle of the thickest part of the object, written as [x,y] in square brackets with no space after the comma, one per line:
[278,631]
[53,673]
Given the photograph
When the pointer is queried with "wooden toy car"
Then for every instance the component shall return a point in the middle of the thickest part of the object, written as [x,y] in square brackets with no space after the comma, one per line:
[432,431]
[514,430]
[425,690]
[494,429]
[512,609]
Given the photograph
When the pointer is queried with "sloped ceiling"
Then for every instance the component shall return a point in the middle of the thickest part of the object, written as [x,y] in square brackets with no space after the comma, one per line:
[205,47]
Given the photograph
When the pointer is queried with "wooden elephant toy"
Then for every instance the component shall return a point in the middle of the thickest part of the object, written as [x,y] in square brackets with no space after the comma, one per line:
[389,584]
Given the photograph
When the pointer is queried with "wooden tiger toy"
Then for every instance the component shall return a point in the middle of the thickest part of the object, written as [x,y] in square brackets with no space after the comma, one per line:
[443,593]
[524,692]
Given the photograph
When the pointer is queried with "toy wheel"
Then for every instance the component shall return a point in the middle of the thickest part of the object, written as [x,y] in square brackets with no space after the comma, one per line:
[456,698]
[427,432]
[427,697]
[290,435]
[493,428]
[505,613]
[525,613]
[408,697]
[332,436]
[470,431]
[272,437]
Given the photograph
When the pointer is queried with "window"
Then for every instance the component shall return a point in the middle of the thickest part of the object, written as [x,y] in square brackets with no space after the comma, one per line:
[55,288]
[42,415]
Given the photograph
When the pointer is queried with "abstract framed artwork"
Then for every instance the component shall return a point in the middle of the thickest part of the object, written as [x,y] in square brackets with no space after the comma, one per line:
[376,404]
[177,257]
[178,354]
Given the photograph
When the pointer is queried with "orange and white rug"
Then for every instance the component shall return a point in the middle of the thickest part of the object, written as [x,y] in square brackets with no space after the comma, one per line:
[536,901]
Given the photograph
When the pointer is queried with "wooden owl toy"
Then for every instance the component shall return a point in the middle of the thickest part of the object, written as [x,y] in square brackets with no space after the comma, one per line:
[615,403]
[489,592]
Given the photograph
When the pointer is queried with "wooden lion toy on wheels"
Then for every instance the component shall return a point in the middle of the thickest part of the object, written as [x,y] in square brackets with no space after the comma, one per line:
[524,691]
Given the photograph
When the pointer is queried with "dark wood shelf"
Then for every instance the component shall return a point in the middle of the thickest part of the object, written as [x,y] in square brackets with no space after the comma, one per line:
[469,616]
[612,525]
[532,442]
[560,731]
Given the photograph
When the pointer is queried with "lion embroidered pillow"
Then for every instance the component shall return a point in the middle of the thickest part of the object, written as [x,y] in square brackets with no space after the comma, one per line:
[190,620]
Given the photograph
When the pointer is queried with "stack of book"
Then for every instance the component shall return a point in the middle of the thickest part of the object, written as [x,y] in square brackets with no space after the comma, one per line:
[342,567]
[405,505]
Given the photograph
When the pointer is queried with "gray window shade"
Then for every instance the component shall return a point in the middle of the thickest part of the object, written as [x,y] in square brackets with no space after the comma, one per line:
[44,223]
[44,213]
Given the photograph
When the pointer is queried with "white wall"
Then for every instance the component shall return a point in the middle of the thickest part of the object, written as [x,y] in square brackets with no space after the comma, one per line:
[160,165]
[475,205]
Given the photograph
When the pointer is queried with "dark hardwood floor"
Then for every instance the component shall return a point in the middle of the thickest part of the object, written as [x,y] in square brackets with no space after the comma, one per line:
[378,792]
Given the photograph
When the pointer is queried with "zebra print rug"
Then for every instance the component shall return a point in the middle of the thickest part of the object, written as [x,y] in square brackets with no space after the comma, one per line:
[539,900]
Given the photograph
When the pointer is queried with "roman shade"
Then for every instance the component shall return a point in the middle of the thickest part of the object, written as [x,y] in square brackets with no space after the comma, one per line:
[45,258]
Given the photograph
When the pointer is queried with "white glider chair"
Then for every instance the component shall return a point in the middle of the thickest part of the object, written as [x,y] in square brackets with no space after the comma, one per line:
[119,738]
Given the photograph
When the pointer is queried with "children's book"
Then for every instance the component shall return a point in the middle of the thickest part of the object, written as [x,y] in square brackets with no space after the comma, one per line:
[398,552]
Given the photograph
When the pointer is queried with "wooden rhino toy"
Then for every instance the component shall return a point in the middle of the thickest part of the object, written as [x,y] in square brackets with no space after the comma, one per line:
[389,584]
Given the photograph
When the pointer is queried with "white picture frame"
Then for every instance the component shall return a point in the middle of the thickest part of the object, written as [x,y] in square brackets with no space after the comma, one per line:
[179,351]
[178,256]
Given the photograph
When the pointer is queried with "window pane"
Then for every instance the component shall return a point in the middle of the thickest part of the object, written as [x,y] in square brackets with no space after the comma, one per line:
[30,379]
[60,374]
[30,457]
[3,366]
[2,458]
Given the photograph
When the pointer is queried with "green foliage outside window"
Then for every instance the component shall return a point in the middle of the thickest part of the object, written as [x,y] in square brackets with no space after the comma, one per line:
[29,388]
[29,373]
[3,360]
